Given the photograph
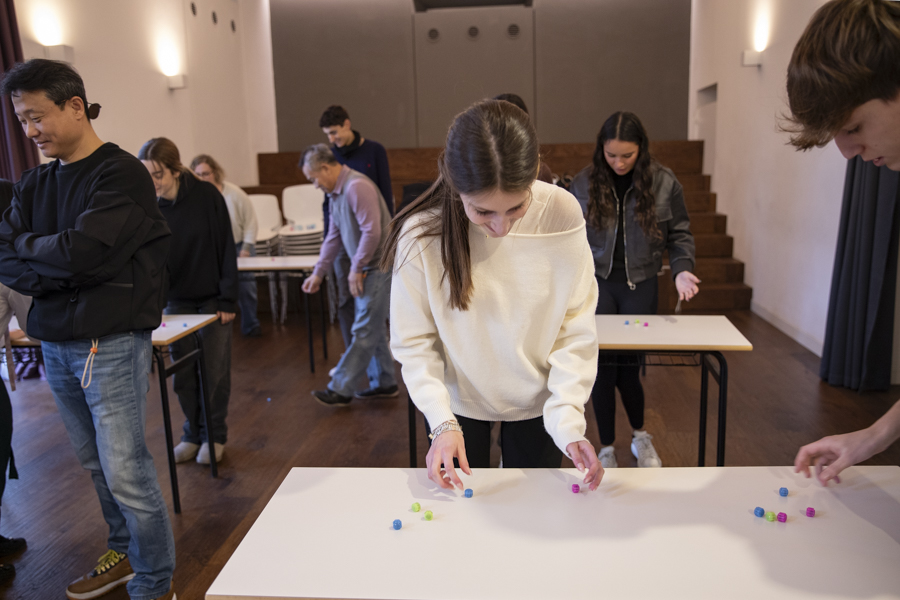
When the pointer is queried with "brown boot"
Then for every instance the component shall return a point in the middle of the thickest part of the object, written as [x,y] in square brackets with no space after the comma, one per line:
[112,570]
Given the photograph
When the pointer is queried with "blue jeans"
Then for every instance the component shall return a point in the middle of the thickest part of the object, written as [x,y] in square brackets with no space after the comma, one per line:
[247,295]
[370,339]
[105,423]
[381,367]
[216,339]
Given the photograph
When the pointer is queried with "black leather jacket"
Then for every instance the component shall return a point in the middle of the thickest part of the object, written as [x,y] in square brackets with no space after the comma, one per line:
[643,257]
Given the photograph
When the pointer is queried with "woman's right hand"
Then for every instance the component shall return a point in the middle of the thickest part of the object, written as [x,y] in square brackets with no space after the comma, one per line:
[444,448]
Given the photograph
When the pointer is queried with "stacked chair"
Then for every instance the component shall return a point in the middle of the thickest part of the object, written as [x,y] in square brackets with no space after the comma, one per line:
[269,223]
[304,231]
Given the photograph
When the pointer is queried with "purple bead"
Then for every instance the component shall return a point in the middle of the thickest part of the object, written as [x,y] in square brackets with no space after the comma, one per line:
[782,517]
[576,488]
[646,324]
[810,512]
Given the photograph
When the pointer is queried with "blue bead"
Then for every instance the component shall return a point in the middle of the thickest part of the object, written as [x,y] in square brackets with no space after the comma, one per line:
[783,491]
[397,524]
[759,511]
[626,322]
[468,493]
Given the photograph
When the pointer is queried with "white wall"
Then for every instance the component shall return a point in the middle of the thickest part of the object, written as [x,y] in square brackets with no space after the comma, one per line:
[116,46]
[783,206]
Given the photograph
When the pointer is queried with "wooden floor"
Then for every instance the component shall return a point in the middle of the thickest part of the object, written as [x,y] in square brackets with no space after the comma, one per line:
[776,404]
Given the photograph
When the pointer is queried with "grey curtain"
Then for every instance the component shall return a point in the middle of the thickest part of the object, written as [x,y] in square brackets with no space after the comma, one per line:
[860,329]
[17,153]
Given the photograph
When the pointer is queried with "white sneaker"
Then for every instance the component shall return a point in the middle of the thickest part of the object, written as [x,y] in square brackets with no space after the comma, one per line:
[185,451]
[643,450]
[607,458]
[203,455]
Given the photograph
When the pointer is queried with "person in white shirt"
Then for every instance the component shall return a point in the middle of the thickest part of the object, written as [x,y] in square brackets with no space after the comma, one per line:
[492,303]
[244,228]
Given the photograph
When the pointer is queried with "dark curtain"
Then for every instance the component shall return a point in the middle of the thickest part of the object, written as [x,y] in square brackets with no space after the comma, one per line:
[17,153]
[860,329]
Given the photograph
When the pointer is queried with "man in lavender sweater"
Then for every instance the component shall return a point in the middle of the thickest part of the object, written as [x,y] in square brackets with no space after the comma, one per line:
[359,220]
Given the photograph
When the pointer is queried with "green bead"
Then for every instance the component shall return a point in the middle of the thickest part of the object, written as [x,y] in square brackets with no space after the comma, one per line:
[429,516]
[770,516]
[416,507]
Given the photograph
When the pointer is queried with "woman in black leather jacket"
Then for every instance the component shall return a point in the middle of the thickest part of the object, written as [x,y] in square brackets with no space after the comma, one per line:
[635,210]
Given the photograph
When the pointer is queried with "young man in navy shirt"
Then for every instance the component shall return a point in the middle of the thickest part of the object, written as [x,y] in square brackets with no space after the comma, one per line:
[369,158]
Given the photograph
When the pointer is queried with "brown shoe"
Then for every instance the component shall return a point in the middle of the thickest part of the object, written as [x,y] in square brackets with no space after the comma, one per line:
[112,570]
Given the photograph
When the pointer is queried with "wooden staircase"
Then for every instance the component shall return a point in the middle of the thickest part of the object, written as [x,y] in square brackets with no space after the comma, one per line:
[722,276]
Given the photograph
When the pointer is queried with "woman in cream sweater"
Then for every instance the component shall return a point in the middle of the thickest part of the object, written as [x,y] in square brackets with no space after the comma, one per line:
[492,303]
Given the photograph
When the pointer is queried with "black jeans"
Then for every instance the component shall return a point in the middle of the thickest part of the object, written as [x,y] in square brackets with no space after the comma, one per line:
[6,429]
[216,340]
[524,444]
[621,371]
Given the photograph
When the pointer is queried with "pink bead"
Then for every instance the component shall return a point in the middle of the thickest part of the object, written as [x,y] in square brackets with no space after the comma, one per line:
[646,324]
[576,488]
[782,517]
[810,512]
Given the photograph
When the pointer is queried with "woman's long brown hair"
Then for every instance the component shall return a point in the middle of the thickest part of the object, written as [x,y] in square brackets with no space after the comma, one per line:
[625,127]
[491,146]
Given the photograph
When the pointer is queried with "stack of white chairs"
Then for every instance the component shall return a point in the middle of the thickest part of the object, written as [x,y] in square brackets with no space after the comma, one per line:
[305,229]
[268,242]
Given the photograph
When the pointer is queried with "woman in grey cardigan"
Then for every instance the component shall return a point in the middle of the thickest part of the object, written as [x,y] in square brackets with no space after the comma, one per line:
[635,210]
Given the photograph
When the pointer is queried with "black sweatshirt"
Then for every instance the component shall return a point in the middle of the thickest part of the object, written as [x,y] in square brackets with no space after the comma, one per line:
[87,241]
[203,259]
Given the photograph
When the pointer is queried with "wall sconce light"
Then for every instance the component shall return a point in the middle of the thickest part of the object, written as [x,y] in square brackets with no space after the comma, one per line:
[177,82]
[751,58]
[60,52]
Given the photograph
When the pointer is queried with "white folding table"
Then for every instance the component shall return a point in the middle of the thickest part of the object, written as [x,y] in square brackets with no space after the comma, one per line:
[675,533]
[292,264]
[674,340]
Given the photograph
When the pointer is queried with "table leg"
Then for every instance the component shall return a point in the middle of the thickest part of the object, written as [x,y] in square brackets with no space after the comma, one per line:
[704,389]
[323,293]
[167,424]
[411,410]
[309,333]
[204,400]
[723,406]
[273,296]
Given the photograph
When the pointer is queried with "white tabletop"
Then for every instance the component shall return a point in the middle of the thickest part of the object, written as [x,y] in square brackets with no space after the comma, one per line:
[172,329]
[645,533]
[277,263]
[669,332]
[175,327]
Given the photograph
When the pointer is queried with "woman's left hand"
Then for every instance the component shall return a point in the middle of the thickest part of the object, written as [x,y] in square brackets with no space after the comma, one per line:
[583,455]
[686,284]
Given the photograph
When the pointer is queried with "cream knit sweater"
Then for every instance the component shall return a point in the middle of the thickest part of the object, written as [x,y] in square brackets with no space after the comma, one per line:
[526,346]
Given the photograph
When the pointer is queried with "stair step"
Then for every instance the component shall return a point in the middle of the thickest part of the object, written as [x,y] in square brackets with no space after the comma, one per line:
[718,270]
[714,244]
[700,201]
[713,297]
[693,182]
[707,222]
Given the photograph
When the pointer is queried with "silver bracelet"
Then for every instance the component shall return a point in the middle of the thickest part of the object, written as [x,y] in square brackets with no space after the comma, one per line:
[445,427]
